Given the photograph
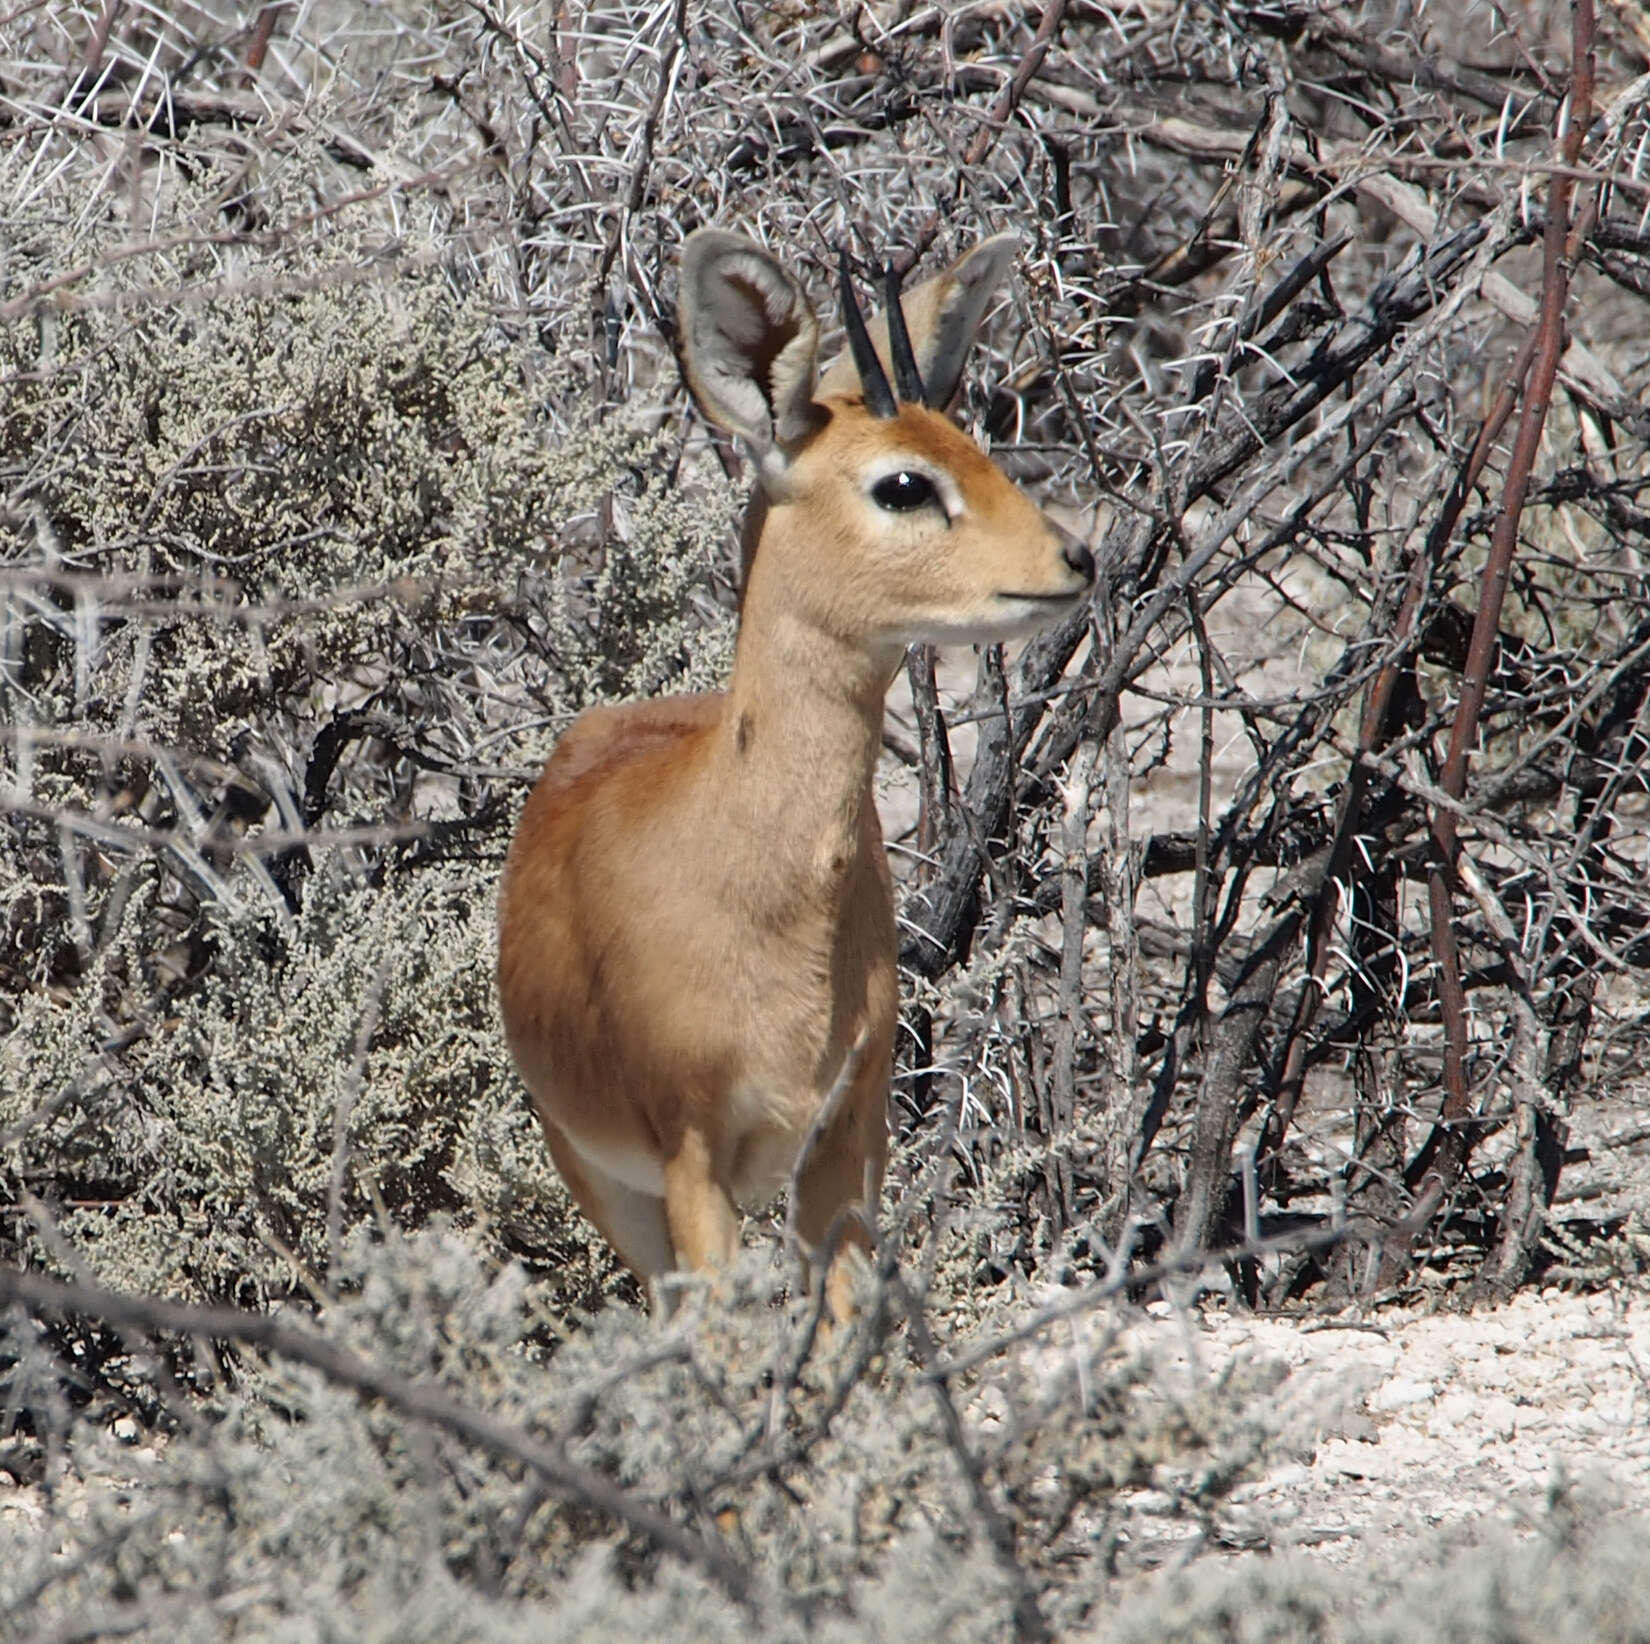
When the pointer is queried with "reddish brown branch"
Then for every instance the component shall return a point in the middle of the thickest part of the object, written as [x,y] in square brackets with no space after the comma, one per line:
[99,42]
[261,35]
[1375,730]
[1446,1150]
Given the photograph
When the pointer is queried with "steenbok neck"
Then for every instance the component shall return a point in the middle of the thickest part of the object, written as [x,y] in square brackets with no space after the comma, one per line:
[801,733]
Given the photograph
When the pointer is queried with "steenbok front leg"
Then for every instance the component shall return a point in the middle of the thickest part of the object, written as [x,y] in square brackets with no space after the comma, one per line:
[704,1221]
[838,1184]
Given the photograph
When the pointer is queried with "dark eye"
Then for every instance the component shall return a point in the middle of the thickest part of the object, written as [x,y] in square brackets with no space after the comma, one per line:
[903,491]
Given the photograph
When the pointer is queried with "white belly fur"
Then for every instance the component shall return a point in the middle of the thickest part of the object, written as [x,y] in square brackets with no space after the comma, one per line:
[640,1172]
[769,1138]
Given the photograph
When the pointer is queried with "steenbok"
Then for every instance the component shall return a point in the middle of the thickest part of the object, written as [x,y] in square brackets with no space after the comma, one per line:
[696,926]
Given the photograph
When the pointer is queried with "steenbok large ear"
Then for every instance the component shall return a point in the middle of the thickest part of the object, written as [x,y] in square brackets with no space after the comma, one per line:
[942,315]
[749,339]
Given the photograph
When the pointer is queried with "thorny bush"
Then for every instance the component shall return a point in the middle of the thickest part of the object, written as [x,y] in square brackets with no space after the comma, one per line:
[342,460]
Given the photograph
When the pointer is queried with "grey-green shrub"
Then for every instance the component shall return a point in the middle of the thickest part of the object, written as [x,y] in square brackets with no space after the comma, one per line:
[298,1510]
[296,1504]
[215,1143]
[323,488]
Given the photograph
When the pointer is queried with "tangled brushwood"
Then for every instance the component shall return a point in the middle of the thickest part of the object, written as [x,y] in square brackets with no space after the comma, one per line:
[1278,923]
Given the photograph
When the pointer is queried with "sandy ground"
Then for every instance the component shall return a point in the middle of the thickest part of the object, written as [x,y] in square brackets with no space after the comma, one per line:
[1467,1420]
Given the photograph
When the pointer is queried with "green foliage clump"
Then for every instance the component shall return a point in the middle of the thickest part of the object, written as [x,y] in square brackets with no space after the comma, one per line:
[309,546]
[295,448]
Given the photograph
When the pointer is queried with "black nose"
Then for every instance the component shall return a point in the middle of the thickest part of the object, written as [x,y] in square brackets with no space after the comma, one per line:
[1079,559]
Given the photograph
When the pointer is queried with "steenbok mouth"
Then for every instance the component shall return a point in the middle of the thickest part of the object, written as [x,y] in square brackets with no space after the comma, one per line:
[1069,597]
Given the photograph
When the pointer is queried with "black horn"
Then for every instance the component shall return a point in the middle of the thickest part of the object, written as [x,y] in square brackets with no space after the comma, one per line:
[907,377]
[873,380]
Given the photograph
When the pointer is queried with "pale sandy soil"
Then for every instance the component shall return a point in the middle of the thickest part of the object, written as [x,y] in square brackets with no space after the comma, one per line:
[1465,1422]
